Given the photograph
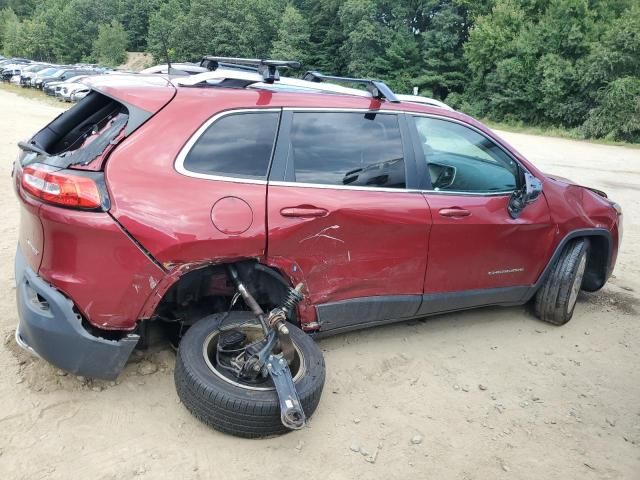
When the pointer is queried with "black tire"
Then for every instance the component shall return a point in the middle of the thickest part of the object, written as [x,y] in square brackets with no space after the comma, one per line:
[231,408]
[554,301]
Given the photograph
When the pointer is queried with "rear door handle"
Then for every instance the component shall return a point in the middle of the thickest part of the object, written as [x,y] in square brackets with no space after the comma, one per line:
[303,212]
[454,212]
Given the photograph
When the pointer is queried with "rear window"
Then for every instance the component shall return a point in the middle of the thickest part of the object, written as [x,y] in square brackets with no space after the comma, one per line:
[83,132]
[237,145]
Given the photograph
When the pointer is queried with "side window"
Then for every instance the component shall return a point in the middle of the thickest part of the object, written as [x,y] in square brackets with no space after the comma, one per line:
[461,160]
[237,145]
[357,149]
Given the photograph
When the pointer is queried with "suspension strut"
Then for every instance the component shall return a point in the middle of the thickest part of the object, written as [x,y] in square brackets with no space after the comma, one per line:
[275,328]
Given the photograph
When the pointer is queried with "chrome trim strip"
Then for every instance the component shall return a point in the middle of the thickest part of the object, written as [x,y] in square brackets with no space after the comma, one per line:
[468,194]
[382,189]
[179,162]
[342,187]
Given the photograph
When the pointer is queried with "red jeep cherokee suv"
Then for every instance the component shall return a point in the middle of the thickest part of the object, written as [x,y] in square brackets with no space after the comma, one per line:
[197,204]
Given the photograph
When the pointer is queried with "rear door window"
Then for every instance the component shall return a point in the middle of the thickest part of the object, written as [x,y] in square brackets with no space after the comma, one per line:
[236,145]
[347,149]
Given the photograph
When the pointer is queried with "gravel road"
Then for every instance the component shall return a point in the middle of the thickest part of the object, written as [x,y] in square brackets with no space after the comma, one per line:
[484,394]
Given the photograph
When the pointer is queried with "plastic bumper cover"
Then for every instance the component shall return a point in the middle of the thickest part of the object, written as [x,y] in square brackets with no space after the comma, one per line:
[51,329]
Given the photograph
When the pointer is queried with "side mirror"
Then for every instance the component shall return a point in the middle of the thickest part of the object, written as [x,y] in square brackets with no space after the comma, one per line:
[529,192]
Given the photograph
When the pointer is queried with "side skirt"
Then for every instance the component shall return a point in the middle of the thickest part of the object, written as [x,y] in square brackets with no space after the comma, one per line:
[364,312]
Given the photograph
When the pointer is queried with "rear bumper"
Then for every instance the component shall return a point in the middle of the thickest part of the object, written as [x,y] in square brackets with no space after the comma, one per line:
[51,329]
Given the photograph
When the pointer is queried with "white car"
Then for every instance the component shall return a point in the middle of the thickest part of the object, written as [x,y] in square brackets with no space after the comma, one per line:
[58,86]
[79,94]
[11,70]
[67,89]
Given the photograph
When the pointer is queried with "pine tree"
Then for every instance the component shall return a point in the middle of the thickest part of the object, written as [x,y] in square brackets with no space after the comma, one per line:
[110,48]
[292,39]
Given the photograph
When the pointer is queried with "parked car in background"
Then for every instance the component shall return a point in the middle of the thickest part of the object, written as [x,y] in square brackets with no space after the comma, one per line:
[51,87]
[64,90]
[30,71]
[36,80]
[79,94]
[17,60]
[10,71]
[59,77]
[15,80]
[56,76]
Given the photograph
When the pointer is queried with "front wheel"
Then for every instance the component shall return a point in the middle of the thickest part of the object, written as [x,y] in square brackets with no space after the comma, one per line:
[216,397]
[557,297]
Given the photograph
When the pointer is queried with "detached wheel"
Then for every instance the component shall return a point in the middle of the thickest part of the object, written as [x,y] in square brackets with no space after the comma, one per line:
[216,397]
[557,297]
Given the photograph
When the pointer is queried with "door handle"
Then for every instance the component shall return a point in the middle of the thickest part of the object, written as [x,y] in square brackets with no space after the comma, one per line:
[303,212]
[454,212]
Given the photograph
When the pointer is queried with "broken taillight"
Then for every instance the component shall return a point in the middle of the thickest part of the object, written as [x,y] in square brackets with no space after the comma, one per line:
[61,187]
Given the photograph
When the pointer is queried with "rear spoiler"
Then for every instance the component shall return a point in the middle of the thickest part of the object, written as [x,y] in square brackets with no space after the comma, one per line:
[143,95]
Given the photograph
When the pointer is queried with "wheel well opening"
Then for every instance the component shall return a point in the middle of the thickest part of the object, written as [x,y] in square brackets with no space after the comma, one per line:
[208,290]
[595,274]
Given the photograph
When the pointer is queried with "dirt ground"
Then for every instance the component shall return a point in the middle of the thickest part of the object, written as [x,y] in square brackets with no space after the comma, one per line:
[136,61]
[484,394]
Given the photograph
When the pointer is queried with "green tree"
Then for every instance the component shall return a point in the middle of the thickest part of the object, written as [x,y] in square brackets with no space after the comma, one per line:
[239,28]
[75,27]
[292,38]
[110,48]
[617,117]
[401,64]
[7,16]
[36,39]
[443,67]
[12,43]
[162,29]
[22,8]
[364,37]
[326,35]
[134,16]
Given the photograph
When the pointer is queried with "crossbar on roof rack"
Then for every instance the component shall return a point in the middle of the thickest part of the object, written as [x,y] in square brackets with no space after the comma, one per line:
[267,68]
[377,88]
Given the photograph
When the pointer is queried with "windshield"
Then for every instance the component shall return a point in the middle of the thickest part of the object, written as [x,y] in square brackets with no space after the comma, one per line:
[46,71]
[76,78]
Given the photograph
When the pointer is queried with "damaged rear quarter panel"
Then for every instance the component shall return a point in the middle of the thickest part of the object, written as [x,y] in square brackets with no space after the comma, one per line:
[170,214]
[89,258]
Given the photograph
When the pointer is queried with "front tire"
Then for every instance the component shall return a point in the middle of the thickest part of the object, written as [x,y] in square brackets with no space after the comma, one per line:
[229,406]
[557,297]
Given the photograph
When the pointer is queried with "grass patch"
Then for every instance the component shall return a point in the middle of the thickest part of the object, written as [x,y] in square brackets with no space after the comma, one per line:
[33,93]
[569,133]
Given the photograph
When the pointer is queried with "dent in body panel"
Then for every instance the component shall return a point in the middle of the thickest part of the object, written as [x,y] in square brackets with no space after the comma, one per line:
[369,243]
[574,208]
[87,252]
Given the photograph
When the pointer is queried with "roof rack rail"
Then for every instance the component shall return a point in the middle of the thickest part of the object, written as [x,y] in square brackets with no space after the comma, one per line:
[377,88]
[267,68]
